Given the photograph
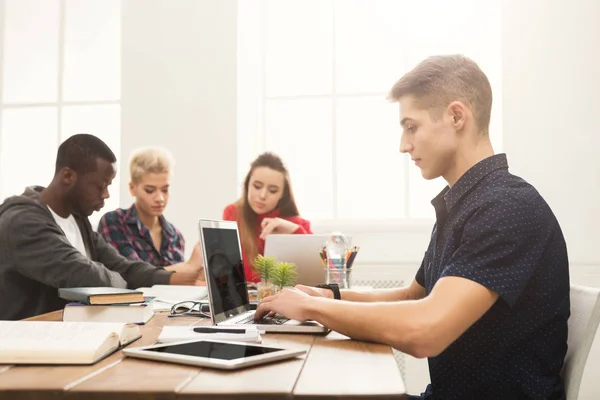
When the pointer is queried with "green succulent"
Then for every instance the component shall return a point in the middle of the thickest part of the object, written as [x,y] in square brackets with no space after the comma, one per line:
[284,274]
[264,266]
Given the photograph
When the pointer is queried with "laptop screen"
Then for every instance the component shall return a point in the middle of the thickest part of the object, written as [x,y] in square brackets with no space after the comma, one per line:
[225,270]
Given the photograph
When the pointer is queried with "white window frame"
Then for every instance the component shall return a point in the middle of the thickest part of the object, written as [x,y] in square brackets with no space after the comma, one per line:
[59,104]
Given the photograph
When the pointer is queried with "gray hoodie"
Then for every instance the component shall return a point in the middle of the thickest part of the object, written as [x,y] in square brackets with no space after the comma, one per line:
[36,259]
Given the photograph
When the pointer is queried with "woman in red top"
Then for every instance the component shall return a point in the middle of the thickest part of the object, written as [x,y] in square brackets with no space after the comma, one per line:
[267,206]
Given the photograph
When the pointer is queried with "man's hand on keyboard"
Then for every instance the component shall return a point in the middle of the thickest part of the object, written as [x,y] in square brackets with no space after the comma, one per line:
[290,302]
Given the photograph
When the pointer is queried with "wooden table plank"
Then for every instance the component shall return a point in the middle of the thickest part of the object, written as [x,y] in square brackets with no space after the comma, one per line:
[338,367]
[139,376]
[161,319]
[51,316]
[269,381]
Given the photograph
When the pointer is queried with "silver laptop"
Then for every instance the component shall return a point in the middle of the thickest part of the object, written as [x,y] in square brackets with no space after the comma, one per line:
[302,250]
[226,282]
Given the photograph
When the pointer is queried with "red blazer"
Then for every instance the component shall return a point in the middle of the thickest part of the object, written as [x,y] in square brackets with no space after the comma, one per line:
[230,214]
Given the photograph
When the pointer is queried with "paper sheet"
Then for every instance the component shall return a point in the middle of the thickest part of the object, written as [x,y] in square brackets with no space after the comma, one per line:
[167,295]
[177,333]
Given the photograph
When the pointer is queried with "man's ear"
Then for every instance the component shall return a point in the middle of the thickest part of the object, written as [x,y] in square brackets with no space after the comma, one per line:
[68,177]
[458,112]
[131,187]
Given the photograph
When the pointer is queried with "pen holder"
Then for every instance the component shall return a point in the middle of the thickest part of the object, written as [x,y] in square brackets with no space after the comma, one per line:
[339,271]
[340,276]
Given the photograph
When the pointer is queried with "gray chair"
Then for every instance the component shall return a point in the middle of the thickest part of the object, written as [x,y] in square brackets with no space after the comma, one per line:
[583,323]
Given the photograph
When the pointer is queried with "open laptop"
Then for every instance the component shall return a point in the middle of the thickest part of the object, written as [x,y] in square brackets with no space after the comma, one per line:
[226,282]
[302,250]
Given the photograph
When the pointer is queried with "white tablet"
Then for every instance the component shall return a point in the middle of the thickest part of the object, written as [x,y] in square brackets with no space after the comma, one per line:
[213,353]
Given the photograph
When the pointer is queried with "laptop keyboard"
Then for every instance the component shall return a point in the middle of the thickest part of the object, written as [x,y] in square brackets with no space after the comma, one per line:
[276,320]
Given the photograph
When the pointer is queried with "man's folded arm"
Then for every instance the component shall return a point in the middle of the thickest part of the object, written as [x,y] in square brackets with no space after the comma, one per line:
[40,251]
[136,273]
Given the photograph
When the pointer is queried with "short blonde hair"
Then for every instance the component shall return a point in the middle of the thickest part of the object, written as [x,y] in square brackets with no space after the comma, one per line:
[153,160]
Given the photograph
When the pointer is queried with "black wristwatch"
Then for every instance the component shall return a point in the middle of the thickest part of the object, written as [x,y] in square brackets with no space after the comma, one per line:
[334,288]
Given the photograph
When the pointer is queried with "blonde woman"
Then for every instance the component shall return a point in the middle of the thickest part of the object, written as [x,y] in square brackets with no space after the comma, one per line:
[141,232]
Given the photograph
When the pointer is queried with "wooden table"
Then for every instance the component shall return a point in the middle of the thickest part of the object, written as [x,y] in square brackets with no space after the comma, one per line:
[334,367]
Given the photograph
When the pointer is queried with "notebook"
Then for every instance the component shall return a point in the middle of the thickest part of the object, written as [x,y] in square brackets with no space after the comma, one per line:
[133,313]
[101,295]
[302,250]
[51,342]
[180,333]
[226,281]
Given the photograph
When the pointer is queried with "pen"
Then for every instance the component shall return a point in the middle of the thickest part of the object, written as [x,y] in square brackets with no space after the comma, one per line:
[350,260]
[208,329]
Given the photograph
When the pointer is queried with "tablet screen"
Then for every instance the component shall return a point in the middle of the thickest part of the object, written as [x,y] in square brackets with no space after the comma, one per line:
[220,351]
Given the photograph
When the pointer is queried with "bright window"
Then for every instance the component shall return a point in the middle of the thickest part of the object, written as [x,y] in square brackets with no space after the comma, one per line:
[313,79]
[61,76]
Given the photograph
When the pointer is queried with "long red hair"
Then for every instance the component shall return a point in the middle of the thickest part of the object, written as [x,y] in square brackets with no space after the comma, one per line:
[248,219]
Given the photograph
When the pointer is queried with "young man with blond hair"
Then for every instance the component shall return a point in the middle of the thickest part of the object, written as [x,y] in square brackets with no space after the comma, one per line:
[490,302]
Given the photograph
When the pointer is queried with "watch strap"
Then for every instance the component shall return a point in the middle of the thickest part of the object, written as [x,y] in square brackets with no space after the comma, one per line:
[334,288]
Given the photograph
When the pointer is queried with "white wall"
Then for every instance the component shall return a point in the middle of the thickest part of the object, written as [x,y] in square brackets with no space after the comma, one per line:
[179,91]
[551,105]
[551,125]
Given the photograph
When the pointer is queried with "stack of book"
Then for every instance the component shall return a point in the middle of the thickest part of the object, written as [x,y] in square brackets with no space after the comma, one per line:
[106,304]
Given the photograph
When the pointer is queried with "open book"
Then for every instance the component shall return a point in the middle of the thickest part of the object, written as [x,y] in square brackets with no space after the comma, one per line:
[49,342]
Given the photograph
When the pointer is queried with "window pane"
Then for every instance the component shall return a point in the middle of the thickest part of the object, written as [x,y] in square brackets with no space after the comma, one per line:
[300,132]
[250,79]
[450,30]
[369,46]
[103,121]
[92,56]
[371,53]
[369,164]
[30,51]
[28,148]
[299,47]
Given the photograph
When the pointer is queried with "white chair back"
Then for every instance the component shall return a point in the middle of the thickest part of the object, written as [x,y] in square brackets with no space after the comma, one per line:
[583,323]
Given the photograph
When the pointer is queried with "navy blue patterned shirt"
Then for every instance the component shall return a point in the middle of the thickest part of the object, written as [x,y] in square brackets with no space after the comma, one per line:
[495,229]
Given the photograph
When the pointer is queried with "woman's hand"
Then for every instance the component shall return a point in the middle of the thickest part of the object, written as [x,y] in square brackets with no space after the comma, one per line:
[197,260]
[277,225]
[190,272]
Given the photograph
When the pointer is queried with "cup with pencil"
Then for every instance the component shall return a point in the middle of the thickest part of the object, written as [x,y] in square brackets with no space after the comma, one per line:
[339,268]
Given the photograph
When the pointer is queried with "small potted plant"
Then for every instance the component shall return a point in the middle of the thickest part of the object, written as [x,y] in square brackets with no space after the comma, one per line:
[284,274]
[265,267]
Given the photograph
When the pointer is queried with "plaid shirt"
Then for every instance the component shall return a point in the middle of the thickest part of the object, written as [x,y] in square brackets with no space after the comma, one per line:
[126,233]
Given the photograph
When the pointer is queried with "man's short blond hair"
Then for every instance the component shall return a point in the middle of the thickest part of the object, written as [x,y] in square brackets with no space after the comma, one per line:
[439,80]
[154,160]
